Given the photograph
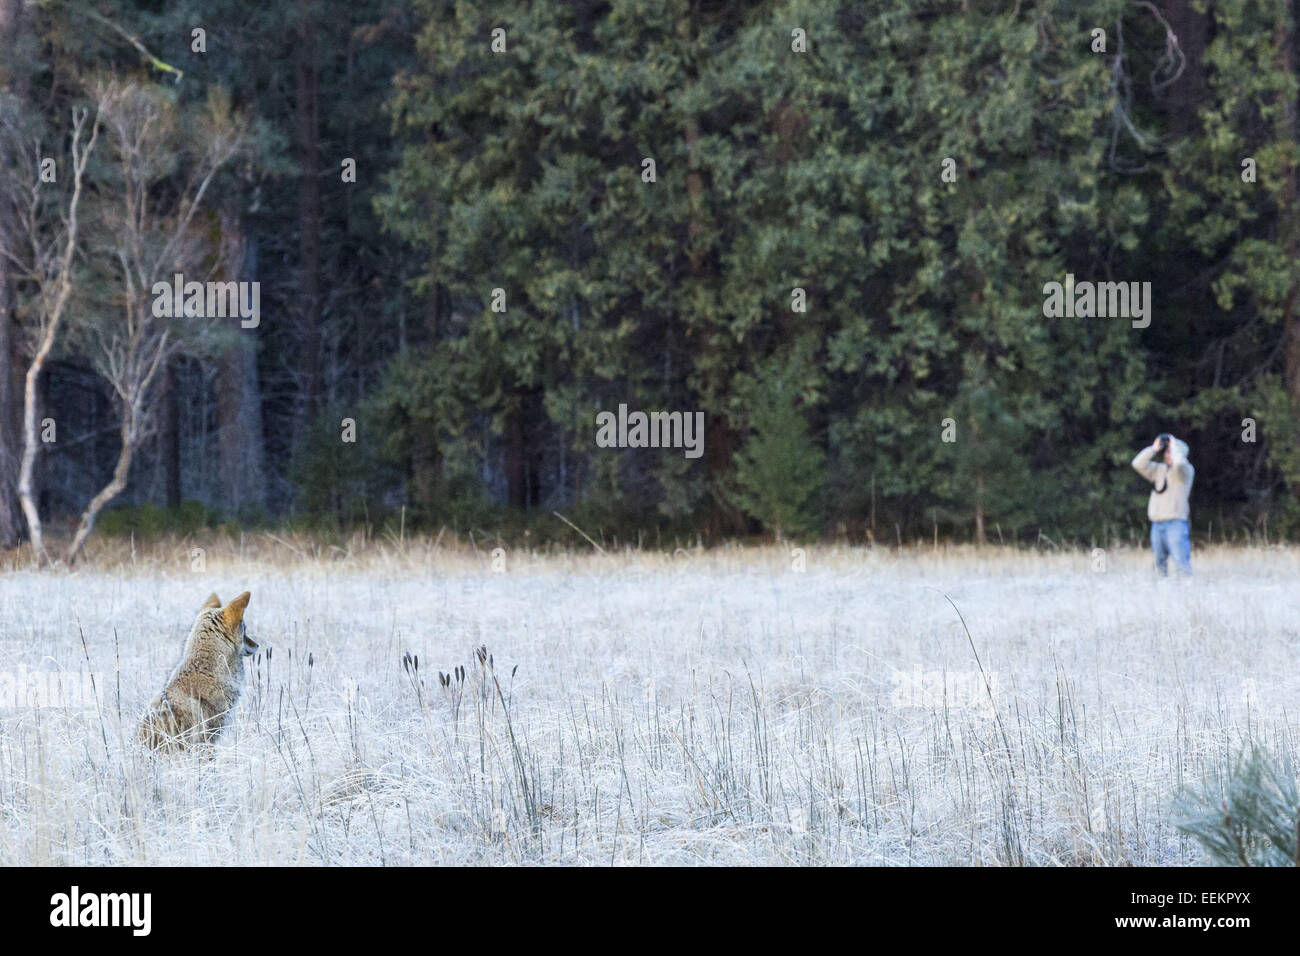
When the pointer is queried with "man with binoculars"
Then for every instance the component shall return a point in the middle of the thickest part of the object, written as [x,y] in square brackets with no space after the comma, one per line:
[1165,465]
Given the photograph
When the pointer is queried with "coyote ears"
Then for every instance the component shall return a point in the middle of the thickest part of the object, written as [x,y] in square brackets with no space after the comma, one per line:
[211,602]
[233,612]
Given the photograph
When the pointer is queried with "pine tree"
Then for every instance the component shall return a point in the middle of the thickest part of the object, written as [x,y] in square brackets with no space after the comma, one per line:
[780,470]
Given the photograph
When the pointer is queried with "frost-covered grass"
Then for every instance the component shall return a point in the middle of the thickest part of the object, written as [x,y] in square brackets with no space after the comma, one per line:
[645,708]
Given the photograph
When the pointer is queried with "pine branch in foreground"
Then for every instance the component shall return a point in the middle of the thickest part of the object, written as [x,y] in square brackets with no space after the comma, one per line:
[1248,817]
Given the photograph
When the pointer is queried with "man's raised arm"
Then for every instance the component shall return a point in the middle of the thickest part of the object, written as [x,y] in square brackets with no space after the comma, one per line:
[1143,464]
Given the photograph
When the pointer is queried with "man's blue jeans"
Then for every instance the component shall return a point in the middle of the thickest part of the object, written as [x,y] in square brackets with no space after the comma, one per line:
[1171,538]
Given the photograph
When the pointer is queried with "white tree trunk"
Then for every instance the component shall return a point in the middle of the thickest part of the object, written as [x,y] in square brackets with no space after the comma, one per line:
[52,318]
[26,489]
[110,491]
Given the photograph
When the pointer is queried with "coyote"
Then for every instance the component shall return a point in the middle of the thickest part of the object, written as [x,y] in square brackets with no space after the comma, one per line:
[200,694]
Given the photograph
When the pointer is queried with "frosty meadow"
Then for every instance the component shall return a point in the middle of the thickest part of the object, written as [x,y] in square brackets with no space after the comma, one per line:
[714,707]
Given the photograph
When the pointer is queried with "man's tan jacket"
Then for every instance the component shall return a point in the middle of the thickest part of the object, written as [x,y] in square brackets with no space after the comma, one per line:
[1171,485]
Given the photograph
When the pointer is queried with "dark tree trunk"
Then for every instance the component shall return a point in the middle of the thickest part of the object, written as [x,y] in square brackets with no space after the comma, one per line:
[239,415]
[1191,89]
[719,449]
[1288,215]
[169,436]
[12,527]
[307,84]
[516,469]
[11,520]
[239,398]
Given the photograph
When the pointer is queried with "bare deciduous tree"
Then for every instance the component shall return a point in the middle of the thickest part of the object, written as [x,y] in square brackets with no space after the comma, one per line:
[41,252]
[146,233]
